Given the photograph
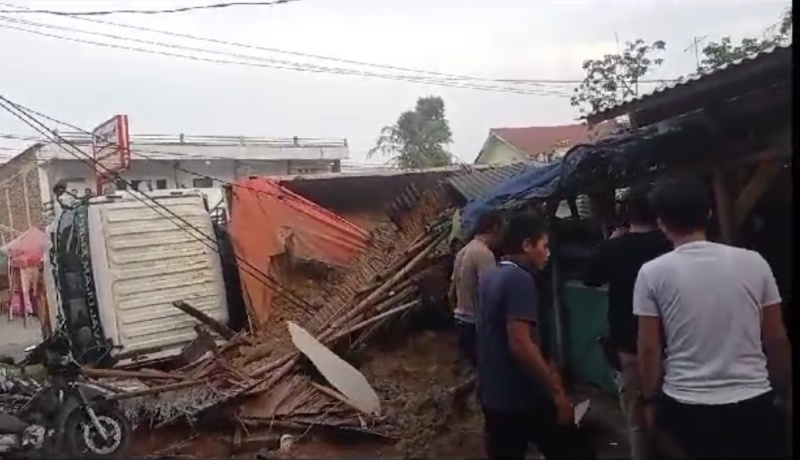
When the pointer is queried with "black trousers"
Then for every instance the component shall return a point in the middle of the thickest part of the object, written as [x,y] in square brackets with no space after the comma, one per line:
[467,341]
[509,433]
[748,429]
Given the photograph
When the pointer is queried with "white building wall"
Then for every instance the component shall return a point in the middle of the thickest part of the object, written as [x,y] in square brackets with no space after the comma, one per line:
[188,161]
[175,174]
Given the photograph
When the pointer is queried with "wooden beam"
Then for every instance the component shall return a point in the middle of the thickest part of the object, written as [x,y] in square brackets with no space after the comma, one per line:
[558,306]
[754,190]
[724,205]
[8,209]
[25,199]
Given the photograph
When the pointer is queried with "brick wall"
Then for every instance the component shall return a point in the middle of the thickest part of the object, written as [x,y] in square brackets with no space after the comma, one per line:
[20,198]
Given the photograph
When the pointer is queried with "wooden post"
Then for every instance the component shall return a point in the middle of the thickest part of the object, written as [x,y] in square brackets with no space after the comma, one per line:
[754,189]
[555,279]
[724,206]
[8,209]
[25,199]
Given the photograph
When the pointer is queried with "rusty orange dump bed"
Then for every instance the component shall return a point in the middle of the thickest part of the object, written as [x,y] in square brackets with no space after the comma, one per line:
[267,220]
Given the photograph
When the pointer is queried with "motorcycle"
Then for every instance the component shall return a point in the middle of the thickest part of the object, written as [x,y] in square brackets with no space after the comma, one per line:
[64,416]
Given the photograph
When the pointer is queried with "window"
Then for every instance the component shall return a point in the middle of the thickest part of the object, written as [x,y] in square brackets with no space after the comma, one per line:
[161,184]
[142,185]
[202,182]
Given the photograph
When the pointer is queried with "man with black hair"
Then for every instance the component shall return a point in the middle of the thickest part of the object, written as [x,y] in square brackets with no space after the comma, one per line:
[522,396]
[715,310]
[471,263]
[617,263]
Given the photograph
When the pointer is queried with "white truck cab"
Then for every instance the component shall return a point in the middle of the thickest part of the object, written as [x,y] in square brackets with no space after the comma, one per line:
[120,260]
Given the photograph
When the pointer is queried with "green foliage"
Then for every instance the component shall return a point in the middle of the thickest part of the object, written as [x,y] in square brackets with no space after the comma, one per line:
[419,137]
[615,77]
[724,51]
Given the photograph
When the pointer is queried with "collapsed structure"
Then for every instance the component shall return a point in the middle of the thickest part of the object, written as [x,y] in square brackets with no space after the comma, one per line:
[347,285]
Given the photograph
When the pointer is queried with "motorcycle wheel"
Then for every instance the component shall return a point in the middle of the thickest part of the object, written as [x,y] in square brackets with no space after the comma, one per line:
[84,441]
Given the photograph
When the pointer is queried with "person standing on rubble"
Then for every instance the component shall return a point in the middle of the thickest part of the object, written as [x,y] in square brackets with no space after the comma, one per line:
[471,263]
[522,396]
[710,324]
[617,263]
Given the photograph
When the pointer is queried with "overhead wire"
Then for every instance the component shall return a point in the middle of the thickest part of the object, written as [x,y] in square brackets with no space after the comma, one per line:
[183,9]
[444,75]
[19,112]
[297,67]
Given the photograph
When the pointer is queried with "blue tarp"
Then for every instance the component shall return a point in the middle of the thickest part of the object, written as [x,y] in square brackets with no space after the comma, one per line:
[537,178]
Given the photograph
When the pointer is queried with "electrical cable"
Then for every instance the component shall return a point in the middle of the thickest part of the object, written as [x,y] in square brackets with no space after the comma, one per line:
[451,76]
[266,280]
[298,68]
[183,9]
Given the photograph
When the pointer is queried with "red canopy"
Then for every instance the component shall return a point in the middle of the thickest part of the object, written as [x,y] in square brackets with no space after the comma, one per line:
[26,250]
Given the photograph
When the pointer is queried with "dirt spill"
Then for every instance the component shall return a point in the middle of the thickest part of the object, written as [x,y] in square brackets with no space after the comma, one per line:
[413,379]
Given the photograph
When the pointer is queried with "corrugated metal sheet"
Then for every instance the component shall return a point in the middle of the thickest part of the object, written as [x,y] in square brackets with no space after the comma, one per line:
[152,261]
[753,59]
[476,183]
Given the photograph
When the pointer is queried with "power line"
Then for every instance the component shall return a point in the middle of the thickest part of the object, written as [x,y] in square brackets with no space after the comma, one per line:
[19,112]
[142,152]
[299,67]
[274,63]
[80,130]
[450,76]
[165,11]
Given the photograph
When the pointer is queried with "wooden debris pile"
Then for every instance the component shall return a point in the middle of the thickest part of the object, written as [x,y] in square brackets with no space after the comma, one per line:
[265,380]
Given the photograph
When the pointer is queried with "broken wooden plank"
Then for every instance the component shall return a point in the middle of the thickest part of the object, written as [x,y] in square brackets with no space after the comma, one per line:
[158,389]
[143,374]
[213,324]
[335,395]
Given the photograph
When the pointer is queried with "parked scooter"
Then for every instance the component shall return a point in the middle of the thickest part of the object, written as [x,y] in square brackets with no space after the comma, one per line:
[62,416]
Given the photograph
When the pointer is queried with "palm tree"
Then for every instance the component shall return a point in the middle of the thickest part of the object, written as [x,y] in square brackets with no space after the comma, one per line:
[419,137]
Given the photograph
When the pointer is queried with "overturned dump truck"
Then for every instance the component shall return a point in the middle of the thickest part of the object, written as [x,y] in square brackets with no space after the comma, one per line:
[119,261]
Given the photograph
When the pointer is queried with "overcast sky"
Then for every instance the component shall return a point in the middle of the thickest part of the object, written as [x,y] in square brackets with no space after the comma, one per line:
[85,84]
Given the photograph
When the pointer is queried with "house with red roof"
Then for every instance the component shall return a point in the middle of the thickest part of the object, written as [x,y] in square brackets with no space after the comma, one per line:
[534,143]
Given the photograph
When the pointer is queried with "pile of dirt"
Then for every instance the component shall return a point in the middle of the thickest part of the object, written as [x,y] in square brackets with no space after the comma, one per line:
[416,382]
[414,378]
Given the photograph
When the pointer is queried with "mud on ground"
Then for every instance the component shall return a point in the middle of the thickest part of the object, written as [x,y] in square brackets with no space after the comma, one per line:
[414,378]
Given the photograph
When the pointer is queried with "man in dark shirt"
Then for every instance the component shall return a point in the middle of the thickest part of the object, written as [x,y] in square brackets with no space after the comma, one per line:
[523,398]
[617,263]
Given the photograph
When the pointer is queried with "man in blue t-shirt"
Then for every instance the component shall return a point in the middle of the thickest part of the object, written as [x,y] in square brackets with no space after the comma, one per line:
[522,396]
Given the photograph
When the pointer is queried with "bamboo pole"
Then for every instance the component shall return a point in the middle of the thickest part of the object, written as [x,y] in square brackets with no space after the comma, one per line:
[361,306]
[122,374]
[374,320]
[159,389]
[329,328]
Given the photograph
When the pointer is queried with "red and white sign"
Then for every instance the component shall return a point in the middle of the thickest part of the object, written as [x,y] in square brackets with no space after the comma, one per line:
[111,148]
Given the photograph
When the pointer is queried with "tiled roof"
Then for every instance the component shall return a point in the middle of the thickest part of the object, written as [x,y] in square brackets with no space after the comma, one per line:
[535,140]
[747,61]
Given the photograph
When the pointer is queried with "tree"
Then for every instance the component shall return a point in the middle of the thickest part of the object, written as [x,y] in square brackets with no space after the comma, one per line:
[717,54]
[419,137]
[615,77]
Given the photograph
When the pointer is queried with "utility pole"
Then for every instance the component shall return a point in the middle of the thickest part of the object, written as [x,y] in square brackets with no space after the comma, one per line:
[696,42]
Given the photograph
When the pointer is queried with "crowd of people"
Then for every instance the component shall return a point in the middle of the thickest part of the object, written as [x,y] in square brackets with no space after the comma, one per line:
[695,333]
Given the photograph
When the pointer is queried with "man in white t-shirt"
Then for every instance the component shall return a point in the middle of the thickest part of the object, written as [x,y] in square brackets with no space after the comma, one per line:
[712,344]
